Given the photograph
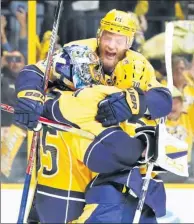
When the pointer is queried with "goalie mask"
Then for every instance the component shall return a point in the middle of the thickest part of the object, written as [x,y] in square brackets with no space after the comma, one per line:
[77,66]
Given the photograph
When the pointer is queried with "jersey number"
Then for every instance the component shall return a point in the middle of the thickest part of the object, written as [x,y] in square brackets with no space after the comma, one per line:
[49,150]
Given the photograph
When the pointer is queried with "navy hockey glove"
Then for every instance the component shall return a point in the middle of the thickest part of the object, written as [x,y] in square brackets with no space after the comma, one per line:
[118,107]
[28,108]
[148,135]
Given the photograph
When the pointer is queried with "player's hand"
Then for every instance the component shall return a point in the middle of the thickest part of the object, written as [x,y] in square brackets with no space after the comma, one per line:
[21,16]
[28,108]
[118,107]
[147,134]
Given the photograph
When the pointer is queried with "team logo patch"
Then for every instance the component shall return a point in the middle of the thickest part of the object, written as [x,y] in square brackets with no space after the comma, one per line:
[93,57]
[38,95]
[125,61]
[133,98]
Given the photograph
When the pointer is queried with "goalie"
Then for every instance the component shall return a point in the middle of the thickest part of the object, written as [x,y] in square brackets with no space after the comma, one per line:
[114,154]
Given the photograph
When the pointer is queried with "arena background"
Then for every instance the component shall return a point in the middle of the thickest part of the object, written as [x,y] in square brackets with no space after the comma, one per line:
[80,20]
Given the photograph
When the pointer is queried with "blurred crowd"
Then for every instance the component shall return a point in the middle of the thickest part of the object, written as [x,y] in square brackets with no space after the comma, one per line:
[80,20]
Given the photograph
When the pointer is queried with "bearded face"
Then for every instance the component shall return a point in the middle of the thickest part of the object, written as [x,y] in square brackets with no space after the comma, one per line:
[112,49]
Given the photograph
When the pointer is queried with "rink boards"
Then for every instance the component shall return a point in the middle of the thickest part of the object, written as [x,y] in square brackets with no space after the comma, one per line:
[180,203]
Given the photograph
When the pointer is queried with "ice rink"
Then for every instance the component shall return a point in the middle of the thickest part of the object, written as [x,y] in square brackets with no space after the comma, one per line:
[180,204]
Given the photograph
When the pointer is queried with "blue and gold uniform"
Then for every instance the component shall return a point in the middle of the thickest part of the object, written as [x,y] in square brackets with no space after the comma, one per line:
[62,178]
[76,66]
[114,160]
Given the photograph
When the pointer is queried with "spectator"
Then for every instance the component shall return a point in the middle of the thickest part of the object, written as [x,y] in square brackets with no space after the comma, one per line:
[178,125]
[17,6]
[4,42]
[21,16]
[179,67]
[12,63]
[189,73]
[22,44]
[187,9]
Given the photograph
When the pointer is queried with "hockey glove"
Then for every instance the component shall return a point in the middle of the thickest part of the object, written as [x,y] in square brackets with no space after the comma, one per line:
[147,134]
[28,108]
[118,107]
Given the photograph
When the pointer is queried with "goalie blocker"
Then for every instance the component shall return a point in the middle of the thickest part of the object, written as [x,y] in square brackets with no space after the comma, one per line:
[156,153]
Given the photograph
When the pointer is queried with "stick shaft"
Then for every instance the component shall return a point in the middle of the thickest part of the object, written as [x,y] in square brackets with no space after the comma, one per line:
[60,126]
[142,197]
[168,61]
[35,136]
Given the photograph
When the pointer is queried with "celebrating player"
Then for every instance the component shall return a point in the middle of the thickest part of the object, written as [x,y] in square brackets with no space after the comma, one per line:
[113,154]
[76,66]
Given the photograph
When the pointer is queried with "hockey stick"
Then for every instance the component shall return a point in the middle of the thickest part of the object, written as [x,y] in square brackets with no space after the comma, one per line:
[168,62]
[36,133]
[60,126]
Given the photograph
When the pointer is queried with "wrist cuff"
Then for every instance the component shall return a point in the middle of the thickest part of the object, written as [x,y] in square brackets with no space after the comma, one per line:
[31,94]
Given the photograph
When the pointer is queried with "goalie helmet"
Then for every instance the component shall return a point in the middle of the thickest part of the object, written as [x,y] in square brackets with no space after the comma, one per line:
[119,22]
[77,66]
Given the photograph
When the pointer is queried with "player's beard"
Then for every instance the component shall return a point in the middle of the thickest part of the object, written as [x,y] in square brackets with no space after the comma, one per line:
[109,63]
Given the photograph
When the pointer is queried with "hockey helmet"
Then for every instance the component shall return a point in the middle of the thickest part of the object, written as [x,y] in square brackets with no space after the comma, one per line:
[119,22]
[133,72]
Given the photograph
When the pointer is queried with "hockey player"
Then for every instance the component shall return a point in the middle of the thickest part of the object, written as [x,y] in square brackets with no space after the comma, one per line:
[114,38]
[113,154]
[121,67]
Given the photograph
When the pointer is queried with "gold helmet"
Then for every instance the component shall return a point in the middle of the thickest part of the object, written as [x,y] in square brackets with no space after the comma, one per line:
[119,22]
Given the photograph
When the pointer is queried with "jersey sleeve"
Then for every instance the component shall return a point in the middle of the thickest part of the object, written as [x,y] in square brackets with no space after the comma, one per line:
[30,77]
[158,97]
[77,108]
[112,149]
[53,107]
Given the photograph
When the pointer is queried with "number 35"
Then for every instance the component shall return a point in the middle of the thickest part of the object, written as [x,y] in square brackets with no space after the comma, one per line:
[48,152]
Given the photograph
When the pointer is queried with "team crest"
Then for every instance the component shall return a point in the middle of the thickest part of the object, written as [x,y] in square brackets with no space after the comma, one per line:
[125,61]
[93,57]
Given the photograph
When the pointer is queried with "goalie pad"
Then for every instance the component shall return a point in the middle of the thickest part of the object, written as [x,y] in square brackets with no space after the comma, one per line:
[175,162]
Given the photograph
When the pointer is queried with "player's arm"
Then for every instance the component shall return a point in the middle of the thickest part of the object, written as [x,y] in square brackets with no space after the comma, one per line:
[114,150]
[30,96]
[55,105]
[116,108]
[158,97]
[30,90]
[111,150]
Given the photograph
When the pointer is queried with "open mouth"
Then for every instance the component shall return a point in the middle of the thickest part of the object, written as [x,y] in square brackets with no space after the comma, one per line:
[110,55]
